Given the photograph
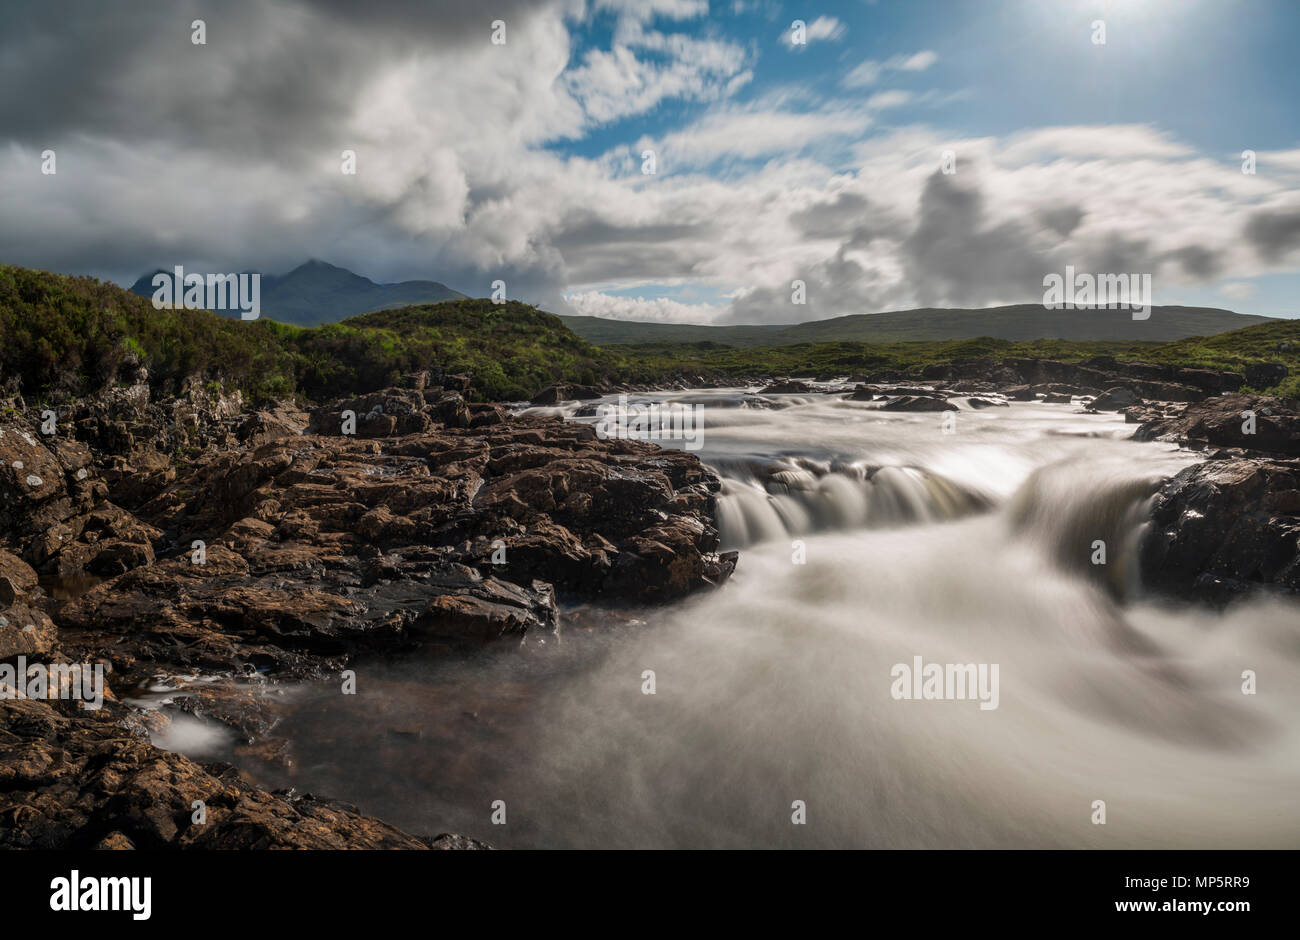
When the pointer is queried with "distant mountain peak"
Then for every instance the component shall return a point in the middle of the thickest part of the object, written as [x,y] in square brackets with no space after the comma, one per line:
[317,292]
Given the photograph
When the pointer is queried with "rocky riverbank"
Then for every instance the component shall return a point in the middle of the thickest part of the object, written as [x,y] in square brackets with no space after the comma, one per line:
[195,536]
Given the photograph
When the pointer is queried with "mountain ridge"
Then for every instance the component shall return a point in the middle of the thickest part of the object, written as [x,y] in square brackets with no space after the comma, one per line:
[1012,322]
[317,292]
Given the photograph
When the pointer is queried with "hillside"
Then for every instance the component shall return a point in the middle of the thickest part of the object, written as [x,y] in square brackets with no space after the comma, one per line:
[1018,322]
[1276,341]
[72,335]
[64,335]
[316,293]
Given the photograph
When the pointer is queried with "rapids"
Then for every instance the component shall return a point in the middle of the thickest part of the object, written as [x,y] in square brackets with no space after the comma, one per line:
[867,538]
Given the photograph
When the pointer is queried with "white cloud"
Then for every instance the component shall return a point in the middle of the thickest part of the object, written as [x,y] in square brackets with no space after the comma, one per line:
[655,309]
[822,28]
[869,71]
[616,83]
[458,180]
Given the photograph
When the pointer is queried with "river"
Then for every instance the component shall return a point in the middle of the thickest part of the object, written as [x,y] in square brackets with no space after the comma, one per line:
[867,539]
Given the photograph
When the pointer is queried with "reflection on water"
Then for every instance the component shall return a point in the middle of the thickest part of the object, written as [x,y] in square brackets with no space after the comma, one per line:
[67,587]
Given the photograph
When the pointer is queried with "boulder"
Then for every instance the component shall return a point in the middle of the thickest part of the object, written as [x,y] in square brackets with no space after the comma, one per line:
[918,403]
[1224,528]
[1223,421]
[1114,399]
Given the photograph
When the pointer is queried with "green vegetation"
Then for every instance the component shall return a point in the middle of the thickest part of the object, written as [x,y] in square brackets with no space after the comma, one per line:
[1021,322]
[1274,341]
[74,335]
[77,335]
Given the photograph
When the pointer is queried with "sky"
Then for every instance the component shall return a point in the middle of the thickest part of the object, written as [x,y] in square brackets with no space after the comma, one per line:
[887,155]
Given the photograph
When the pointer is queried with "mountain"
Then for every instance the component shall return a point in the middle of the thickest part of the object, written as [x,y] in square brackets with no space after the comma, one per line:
[1016,322]
[315,293]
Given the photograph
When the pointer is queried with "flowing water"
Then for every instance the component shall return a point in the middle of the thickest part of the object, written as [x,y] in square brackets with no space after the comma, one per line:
[867,539]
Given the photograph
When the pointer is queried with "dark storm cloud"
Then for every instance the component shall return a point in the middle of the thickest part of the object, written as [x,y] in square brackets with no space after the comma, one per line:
[274,77]
[954,256]
[1198,261]
[1274,233]
[832,219]
[171,152]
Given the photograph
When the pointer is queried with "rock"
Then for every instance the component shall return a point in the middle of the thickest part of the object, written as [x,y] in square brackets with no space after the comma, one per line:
[1222,421]
[119,556]
[418,381]
[1019,393]
[31,481]
[786,387]
[554,394]
[1264,375]
[918,403]
[17,579]
[986,403]
[321,547]
[1055,398]
[551,395]
[26,631]
[95,781]
[268,425]
[1114,399]
[459,383]
[489,609]
[317,547]
[1226,527]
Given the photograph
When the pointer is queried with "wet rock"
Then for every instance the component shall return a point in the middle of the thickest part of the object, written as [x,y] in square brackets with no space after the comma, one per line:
[918,403]
[485,609]
[986,403]
[554,394]
[787,387]
[1114,399]
[271,543]
[1226,527]
[322,547]
[95,781]
[1224,421]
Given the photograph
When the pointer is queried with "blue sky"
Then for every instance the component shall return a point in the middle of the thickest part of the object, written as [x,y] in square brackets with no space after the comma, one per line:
[775,162]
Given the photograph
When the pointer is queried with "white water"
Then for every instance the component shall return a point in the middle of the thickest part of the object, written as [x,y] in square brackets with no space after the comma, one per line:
[777,688]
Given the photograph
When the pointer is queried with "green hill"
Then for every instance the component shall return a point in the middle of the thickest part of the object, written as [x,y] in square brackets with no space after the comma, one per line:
[73,335]
[1018,322]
